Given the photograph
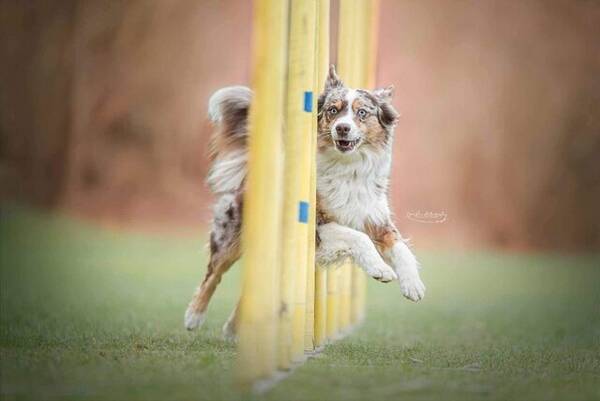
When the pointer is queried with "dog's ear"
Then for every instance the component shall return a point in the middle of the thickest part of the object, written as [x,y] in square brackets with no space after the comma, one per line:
[387,114]
[384,94]
[332,81]
[320,103]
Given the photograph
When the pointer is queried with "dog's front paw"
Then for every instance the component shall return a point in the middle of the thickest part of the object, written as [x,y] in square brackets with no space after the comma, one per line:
[382,272]
[193,319]
[411,286]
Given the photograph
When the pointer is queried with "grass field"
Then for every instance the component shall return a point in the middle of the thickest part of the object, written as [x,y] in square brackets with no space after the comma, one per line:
[93,314]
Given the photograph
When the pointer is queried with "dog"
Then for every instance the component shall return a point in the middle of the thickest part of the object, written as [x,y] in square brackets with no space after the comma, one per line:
[354,156]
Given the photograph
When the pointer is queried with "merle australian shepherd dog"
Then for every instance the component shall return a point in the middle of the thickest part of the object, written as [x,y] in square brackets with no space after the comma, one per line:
[355,134]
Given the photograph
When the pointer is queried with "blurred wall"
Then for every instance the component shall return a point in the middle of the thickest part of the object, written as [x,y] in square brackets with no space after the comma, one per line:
[500,127]
[103,102]
[103,112]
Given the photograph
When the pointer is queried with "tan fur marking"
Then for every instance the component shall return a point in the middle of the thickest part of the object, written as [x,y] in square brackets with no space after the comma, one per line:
[384,236]
[322,217]
[225,249]
[339,104]
[325,121]
[218,265]
[375,134]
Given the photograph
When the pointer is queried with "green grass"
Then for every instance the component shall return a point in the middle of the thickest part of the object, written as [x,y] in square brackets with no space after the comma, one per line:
[93,314]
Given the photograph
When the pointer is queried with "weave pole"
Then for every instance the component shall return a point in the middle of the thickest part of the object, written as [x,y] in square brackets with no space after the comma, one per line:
[368,21]
[349,50]
[299,140]
[356,66]
[263,197]
[309,330]
[320,281]
[290,308]
[333,302]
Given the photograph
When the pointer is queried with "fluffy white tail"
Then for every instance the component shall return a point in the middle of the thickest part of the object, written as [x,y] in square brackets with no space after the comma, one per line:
[228,110]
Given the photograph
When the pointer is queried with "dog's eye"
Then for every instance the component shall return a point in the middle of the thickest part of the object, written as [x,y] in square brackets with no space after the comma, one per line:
[361,113]
[332,110]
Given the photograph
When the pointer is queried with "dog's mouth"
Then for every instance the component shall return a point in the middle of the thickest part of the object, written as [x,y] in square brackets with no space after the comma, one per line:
[346,146]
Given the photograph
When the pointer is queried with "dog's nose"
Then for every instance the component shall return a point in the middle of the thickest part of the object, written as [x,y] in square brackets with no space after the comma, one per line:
[342,130]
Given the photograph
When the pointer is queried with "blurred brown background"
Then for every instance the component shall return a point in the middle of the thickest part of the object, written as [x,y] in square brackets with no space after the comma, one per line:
[103,113]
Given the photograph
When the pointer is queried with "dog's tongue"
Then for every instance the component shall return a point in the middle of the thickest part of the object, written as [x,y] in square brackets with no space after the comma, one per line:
[344,145]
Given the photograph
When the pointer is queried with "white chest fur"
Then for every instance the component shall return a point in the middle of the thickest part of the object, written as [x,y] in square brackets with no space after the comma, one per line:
[353,188]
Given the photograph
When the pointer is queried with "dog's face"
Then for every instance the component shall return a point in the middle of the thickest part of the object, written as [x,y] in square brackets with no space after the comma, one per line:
[353,118]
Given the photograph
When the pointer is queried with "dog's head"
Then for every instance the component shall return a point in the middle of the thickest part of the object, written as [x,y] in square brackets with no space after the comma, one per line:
[351,119]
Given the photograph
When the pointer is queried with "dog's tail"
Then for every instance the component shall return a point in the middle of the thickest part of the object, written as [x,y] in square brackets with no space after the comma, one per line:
[228,110]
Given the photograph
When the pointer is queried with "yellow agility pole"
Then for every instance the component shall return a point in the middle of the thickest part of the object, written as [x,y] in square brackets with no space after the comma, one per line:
[309,317]
[320,287]
[371,38]
[299,126]
[333,302]
[262,200]
[345,296]
[359,62]
[348,69]
[289,306]
[368,20]
[356,58]
[358,294]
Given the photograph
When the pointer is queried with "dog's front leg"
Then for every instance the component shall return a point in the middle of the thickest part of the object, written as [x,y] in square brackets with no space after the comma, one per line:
[337,242]
[396,252]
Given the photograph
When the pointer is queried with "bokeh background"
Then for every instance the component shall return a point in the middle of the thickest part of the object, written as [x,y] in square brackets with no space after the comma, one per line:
[103,113]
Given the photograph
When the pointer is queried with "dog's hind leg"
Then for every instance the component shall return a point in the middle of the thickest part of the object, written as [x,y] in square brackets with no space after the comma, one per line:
[224,251]
[337,242]
[230,327]
[218,265]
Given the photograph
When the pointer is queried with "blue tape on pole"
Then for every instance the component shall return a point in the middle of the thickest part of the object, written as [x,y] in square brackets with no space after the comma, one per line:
[308,101]
[303,212]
